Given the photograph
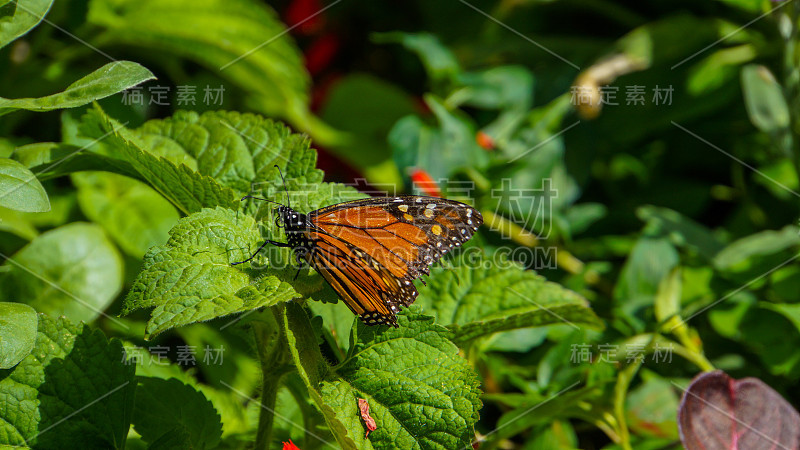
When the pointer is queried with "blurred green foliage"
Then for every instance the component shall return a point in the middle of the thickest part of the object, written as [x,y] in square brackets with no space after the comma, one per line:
[662,224]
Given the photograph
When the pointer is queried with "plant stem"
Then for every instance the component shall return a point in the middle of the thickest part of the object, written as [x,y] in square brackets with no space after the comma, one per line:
[271,351]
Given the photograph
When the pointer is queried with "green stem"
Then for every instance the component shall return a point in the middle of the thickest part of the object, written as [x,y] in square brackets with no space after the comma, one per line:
[270,347]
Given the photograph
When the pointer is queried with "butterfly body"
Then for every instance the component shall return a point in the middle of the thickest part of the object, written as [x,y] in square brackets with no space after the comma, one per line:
[370,251]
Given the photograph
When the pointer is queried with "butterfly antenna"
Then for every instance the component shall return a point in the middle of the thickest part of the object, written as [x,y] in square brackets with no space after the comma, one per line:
[288,203]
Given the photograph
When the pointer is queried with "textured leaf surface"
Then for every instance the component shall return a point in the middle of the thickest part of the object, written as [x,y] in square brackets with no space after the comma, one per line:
[108,80]
[185,188]
[19,17]
[428,398]
[237,150]
[73,387]
[72,270]
[190,278]
[216,33]
[165,407]
[477,298]
[18,325]
[19,188]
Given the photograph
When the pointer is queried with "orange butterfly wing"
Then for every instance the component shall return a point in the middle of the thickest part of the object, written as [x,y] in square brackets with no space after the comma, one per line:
[371,250]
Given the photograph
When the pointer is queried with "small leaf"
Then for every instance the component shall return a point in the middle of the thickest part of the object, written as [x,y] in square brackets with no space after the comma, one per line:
[745,252]
[717,411]
[19,188]
[190,278]
[165,407]
[439,61]
[682,231]
[108,80]
[18,324]
[477,298]
[73,270]
[20,16]
[44,400]
[668,297]
[763,97]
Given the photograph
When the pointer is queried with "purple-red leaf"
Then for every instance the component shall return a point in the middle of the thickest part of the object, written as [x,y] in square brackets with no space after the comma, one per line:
[718,412]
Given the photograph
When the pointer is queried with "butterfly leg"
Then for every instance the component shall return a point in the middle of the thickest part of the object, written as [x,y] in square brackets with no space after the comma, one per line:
[275,243]
[298,258]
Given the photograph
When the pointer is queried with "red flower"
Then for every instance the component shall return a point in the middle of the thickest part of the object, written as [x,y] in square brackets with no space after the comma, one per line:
[484,140]
[290,446]
[425,183]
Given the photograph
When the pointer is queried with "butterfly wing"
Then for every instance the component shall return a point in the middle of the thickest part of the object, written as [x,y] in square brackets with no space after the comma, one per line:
[371,250]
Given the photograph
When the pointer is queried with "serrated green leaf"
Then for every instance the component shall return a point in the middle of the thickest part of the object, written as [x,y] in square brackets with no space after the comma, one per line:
[478,298]
[18,325]
[237,150]
[73,387]
[134,215]
[242,38]
[165,407]
[73,270]
[190,278]
[20,189]
[108,80]
[188,190]
[429,398]
[20,16]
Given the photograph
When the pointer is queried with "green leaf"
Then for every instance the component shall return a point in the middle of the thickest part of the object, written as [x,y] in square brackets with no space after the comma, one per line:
[648,263]
[439,61]
[73,387]
[19,188]
[668,297]
[164,407]
[478,298]
[652,408]
[429,398]
[108,80]
[190,278]
[499,87]
[73,270]
[237,150]
[763,97]
[20,16]
[682,231]
[134,215]
[18,324]
[188,190]
[243,39]
[745,252]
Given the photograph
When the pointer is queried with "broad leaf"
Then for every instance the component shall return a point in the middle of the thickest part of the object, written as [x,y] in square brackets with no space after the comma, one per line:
[134,215]
[188,190]
[237,150]
[682,231]
[20,189]
[18,324]
[750,250]
[477,298]
[108,80]
[429,398]
[20,16]
[717,411]
[190,278]
[764,99]
[242,38]
[73,387]
[165,407]
[73,270]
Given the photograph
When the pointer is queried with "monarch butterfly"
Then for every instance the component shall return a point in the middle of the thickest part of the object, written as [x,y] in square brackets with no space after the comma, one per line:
[370,251]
